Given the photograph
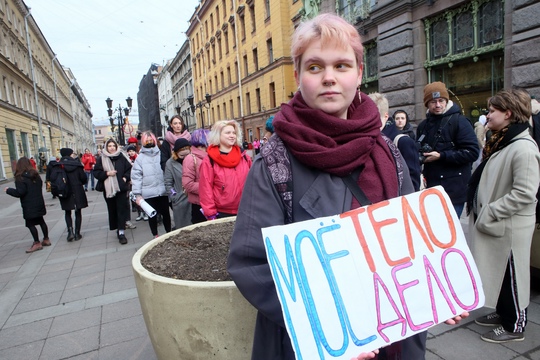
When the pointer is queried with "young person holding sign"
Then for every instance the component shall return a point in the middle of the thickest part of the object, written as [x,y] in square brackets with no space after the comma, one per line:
[327,134]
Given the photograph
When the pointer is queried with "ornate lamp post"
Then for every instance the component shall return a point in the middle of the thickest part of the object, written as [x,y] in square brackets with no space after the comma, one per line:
[122,121]
[199,105]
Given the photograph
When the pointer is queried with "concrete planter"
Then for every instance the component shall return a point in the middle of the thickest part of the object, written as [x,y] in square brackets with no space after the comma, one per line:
[192,320]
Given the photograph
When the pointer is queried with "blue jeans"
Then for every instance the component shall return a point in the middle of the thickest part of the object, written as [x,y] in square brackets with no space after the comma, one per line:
[89,174]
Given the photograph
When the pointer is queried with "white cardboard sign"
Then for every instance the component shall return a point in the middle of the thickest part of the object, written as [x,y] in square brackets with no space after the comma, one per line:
[361,280]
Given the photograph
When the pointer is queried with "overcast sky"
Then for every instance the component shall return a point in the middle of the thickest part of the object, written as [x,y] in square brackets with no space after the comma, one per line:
[110,44]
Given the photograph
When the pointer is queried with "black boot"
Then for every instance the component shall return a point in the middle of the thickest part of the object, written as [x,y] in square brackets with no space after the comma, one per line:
[70,235]
[78,235]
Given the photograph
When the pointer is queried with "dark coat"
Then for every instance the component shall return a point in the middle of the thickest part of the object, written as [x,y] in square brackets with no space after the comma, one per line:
[452,135]
[49,169]
[407,148]
[315,194]
[29,191]
[166,153]
[123,170]
[76,180]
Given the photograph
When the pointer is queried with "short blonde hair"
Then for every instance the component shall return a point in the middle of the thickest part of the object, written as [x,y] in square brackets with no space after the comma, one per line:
[382,104]
[330,29]
[215,133]
[517,101]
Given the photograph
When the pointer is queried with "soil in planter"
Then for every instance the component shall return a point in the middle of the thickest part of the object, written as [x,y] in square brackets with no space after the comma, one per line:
[199,254]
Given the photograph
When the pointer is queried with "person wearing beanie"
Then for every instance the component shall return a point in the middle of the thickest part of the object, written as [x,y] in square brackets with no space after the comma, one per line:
[76,201]
[447,145]
[173,183]
[176,130]
[190,172]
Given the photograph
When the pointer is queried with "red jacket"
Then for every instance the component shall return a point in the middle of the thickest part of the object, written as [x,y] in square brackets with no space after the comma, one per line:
[220,188]
[88,161]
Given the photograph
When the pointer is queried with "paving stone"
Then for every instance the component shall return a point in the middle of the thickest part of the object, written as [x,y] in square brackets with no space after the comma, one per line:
[140,348]
[87,269]
[82,292]
[28,351]
[76,321]
[124,283]
[122,330]
[121,310]
[71,344]
[118,273]
[86,279]
[38,302]
[23,334]
[37,288]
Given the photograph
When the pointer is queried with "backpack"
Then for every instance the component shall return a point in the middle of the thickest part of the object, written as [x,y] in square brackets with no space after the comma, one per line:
[276,159]
[59,182]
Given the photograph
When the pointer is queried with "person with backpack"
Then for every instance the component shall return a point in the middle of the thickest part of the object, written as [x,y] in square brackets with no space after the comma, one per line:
[72,195]
[327,146]
[223,172]
[447,145]
[28,188]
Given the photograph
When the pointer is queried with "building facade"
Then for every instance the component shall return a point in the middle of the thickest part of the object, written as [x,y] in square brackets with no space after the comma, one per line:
[182,85]
[148,101]
[475,47]
[240,52]
[41,106]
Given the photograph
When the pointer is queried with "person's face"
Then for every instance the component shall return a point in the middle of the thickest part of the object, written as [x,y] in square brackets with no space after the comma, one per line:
[437,106]
[132,153]
[182,153]
[497,119]
[227,138]
[400,120]
[176,126]
[111,147]
[328,78]
[87,151]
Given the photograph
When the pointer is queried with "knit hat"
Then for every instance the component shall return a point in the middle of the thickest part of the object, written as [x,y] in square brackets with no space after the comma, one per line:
[181,143]
[131,147]
[66,152]
[132,140]
[435,90]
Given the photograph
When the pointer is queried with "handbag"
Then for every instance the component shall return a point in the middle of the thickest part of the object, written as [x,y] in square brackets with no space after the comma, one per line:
[100,186]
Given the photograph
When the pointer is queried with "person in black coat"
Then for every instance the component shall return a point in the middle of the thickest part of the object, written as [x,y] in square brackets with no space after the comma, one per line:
[77,199]
[448,145]
[28,188]
[176,130]
[113,170]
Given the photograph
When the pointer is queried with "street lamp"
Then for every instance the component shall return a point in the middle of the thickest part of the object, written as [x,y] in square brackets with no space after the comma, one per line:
[199,105]
[122,121]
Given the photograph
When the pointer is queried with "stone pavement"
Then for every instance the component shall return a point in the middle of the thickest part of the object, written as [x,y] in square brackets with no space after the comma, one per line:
[78,300]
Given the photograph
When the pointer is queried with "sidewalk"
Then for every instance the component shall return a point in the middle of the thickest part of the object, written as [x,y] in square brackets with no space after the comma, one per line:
[78,300]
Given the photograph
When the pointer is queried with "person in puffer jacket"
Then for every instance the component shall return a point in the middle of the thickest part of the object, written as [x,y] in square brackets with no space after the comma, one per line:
[148,183]
[223,172]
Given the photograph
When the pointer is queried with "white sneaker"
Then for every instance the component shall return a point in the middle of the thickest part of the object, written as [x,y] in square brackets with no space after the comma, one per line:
[145,217]
[140,217]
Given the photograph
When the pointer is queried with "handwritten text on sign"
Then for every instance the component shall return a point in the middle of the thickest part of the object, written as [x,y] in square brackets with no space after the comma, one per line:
[358,281]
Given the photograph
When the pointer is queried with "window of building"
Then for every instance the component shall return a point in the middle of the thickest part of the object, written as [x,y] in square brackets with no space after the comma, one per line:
[218,113]
[231,108]
[217,15]
[272,92]
[220,53]
[233,34]
[236,71]
[248,103]
[239,105]
[255,59]
[246,64]
[226,36]
[267,9]
[351,10]
[242,27]
[216,82]
[224,7]
[252,15]
[270,50]
[222,79]
[258,99]
[212,23]
[224,110]
[229,75]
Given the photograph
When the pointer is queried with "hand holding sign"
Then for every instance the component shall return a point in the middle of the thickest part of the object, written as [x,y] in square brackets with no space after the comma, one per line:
[372,276]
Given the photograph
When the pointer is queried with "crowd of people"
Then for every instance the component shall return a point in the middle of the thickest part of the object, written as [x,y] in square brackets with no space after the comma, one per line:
[340,144]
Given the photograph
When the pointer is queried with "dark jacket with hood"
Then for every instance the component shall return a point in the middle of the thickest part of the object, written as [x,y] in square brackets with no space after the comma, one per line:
[76,180]
[452,135]
[407,148]
[29,191]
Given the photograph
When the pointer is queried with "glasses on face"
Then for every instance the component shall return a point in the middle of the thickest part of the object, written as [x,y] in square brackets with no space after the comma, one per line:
[437,101]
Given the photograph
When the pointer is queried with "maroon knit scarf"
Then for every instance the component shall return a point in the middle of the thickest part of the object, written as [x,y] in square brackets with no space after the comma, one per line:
[339,146]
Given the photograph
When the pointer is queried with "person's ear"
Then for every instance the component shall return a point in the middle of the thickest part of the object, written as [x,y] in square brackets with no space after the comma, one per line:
[296,78]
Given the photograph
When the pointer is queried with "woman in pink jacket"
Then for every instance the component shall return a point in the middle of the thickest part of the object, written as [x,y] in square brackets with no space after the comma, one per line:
[223,172]
[190,172]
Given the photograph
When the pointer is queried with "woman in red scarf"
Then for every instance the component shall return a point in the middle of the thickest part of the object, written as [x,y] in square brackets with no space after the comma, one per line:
[328,132]
[223,172]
